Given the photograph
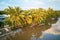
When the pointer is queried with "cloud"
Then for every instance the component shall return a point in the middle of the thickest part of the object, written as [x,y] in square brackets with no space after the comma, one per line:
[32,4]
[25,0]
[26,4]
[38,2]
[53,0]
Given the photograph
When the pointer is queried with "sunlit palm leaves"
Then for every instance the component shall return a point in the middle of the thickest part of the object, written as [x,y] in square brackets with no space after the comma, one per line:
[20,17]
[14,16]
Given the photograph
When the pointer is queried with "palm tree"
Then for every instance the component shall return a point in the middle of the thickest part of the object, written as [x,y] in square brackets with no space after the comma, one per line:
[14,18]
[27,17]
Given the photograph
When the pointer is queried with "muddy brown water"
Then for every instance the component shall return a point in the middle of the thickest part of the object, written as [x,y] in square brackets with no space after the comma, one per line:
[44,32]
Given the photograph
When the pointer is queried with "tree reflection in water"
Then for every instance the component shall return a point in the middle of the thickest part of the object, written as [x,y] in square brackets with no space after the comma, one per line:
[32,33]
[28,33]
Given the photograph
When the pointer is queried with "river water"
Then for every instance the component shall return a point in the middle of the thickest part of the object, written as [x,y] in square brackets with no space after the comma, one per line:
[43,32]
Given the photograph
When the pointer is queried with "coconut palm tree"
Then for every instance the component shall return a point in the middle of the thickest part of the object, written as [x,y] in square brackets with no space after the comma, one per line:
[14,18]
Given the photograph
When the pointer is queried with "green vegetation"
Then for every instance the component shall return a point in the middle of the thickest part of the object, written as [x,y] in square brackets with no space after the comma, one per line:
[2,12]
[21,18]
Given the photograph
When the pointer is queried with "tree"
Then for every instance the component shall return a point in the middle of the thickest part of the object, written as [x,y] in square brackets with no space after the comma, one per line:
[2,12]
[14,19]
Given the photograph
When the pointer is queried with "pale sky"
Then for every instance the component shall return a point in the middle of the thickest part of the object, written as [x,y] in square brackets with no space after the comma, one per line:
[27,4]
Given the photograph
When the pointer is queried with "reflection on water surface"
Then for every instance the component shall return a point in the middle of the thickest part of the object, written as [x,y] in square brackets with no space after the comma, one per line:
[44,32]
[52,33]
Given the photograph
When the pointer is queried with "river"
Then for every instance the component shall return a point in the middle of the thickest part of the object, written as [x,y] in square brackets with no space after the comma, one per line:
[43,32]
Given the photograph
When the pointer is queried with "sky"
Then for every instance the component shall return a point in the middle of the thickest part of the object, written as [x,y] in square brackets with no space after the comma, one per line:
[28,4]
